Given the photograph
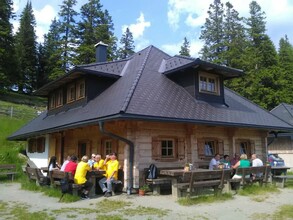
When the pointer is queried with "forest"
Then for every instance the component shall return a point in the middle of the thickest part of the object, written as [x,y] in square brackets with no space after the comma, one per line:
[228,40]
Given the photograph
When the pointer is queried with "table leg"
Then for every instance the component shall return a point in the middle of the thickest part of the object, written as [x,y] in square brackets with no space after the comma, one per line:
[175,191]
[92,192]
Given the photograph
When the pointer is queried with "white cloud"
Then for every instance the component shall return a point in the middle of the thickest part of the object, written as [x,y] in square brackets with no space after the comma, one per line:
[193,12]
[44,18]
[173,49]
[137,29]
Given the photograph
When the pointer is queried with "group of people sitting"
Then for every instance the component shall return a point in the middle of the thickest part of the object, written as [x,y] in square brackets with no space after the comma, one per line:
[237,161]
[79,170]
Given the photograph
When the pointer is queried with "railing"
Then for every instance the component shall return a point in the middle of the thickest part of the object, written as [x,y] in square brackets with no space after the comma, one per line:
[17,113]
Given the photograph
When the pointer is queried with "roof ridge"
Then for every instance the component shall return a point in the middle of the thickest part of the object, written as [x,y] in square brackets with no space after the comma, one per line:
[135,82]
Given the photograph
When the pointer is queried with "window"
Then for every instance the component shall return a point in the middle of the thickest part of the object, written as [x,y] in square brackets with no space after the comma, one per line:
[208,147]
[59,98]
[80,89]
[52,103]
[245,147]
[36,145]
[109,146]
[208,83]
[168,148]
[71,93]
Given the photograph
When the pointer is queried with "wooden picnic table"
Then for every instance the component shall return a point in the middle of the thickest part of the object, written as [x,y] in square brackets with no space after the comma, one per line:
[276,171]
[92,176]
[279,175]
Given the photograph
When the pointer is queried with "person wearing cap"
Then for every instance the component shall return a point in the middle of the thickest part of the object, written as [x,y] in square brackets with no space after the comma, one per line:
[92,160]
[112,166]
[71,165]
[80,176]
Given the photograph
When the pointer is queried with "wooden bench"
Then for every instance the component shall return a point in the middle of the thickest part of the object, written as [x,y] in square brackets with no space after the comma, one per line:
[160,181]
[35,174]
[57,175]
[280,180]
[250,175]
[9,170]
[193,182]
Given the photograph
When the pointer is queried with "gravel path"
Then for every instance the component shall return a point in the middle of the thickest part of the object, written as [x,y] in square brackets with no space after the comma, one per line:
[241,207]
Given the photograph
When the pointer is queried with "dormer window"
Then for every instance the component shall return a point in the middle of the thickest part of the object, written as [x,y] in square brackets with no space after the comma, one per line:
[71,93]
[52,101]
[209,83]
[59,98]
[80,89]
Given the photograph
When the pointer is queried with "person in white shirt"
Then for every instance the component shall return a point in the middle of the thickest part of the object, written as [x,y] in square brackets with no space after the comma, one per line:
[65,163]
[214,163]
[256,162]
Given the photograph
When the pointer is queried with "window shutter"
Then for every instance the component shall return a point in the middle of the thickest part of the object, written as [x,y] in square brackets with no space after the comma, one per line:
[200,147]
[181,148]
[156,149]
[221,147]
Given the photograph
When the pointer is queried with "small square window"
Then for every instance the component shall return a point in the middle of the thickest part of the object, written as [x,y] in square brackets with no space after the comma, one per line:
[208,83]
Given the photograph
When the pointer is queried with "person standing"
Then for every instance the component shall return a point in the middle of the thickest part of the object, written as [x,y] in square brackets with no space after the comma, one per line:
[256,162]
[214,163]
[80,176]
[112,166]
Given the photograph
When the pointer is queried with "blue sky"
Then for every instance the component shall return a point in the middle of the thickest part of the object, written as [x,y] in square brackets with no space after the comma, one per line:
[165,23]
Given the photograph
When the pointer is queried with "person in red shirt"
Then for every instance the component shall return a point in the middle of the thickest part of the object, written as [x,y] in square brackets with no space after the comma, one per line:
[71,165]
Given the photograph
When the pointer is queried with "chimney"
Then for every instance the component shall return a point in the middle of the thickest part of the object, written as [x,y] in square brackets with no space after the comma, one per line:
[101,52]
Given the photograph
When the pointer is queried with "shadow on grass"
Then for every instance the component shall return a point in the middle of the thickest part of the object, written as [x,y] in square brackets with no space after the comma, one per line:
[189,201]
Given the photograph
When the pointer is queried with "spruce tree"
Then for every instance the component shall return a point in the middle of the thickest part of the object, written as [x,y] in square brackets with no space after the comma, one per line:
[185,48]
[95,25]
[26,51]
[7,47]
[68,33]
[53,51]
[212,33]
[127,45]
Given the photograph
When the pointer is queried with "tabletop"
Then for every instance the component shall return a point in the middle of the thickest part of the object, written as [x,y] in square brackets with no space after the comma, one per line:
[180,172]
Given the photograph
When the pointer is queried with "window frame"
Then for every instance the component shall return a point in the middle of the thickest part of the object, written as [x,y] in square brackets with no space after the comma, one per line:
[178,151]
[59,98]
[71,93]
[217,148]
[208,86]
[80,91]
[52,101]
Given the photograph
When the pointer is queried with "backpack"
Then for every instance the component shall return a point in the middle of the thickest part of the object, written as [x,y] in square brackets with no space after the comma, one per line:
[152,172]
[66,185]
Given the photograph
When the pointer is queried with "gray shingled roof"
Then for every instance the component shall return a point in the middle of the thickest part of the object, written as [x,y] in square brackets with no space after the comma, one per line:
[144,92]
[284,111]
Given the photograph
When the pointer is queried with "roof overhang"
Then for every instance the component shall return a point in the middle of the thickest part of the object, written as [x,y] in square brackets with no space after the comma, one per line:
[227,72]
[123,116]
[75,73]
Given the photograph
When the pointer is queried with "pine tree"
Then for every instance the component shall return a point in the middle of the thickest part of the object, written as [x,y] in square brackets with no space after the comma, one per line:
[185,48]
[7,47]
[26,51]
[285,56]
[53,51]
[90,13]
[96,25]
[212,34]
[67,32]
[127,48]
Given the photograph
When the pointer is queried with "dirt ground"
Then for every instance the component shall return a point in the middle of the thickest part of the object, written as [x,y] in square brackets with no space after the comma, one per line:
[241,207]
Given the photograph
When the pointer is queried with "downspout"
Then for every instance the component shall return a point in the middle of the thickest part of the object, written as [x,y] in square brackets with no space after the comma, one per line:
[131,153]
